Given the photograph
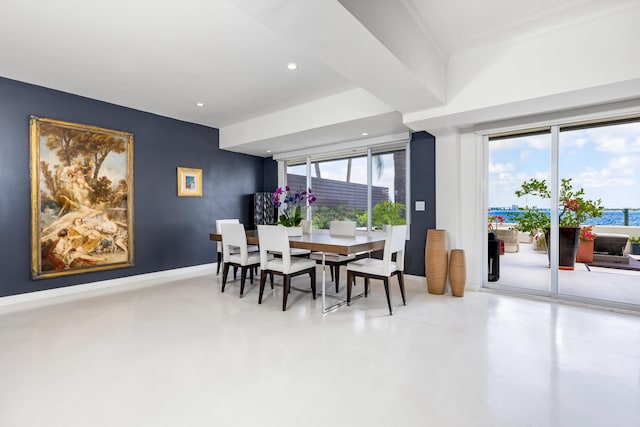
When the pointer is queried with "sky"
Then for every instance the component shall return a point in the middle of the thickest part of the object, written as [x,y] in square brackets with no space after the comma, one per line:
[605,161]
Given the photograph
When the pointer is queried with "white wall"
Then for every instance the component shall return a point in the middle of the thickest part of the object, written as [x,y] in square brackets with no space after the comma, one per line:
[588,54]
[591,62]
[459,198]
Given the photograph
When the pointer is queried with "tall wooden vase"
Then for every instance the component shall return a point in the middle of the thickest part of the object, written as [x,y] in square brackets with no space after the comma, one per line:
[436,261]
[457,272]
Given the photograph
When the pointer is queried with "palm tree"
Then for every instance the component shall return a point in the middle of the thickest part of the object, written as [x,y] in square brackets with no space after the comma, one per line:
[379,164]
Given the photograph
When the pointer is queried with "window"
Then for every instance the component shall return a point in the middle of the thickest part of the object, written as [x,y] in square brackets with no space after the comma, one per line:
[341,187]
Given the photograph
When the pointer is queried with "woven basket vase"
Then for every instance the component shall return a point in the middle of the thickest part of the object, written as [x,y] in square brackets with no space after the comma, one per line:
[457,272]
[436,261]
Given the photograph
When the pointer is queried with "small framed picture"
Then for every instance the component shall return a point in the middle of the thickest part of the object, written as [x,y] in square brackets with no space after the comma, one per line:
[189,182]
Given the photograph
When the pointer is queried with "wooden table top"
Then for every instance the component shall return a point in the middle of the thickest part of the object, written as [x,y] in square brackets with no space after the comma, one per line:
[323,242]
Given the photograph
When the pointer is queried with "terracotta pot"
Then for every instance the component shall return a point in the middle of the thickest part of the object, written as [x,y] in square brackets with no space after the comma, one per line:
[436,261]
[585,251]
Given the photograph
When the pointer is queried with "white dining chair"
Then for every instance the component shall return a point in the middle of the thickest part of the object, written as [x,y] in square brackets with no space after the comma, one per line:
[274,238]
[236,253]
[383,269]
[219,222]
[306,229]
[335,261]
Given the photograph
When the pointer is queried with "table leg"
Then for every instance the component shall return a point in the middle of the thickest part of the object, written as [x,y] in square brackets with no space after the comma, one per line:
[341,301]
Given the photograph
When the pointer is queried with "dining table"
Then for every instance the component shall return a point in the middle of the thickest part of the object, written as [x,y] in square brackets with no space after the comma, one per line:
[325,243]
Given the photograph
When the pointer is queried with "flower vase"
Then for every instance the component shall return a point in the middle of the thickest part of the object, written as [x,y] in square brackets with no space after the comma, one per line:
[585,251]
[294,231]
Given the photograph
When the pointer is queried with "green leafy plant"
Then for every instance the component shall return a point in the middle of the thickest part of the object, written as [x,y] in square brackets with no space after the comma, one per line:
[576,209]
[323,215]
[385,213]
[634,239]
[530,220]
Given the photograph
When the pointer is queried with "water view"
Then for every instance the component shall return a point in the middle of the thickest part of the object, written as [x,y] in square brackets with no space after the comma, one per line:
[609,217]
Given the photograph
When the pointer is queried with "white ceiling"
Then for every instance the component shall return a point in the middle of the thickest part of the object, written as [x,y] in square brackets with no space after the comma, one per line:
[164,56]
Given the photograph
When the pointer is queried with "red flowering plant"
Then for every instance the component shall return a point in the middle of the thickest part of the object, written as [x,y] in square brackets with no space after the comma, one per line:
[586,233]
[498,219]
[575,208]
[289,204]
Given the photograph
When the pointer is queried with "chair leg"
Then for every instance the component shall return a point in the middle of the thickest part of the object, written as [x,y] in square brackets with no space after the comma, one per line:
[243,278]
[331,271]
[271,278]
[263,279]
[366,286]
[337,267]
[225,272]
[312,273]
[251,275]
[386,289]
[401,283]
[285,291]
[235,272]
[350,279]
[219,262]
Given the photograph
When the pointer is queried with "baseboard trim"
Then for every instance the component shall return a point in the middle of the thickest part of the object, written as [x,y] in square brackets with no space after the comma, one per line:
[111,285]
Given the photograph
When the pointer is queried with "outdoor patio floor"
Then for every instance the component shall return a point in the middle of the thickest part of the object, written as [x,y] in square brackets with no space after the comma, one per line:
[529,269]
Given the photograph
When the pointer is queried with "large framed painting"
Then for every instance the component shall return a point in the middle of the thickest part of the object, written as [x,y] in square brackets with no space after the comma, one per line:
[81,198]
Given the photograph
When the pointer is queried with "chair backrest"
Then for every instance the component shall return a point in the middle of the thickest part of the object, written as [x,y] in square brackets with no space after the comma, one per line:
[274,238]
[394,244]
[233,235]
[342,228]
[219,222]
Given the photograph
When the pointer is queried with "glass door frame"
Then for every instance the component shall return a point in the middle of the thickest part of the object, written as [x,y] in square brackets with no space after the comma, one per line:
[552,293]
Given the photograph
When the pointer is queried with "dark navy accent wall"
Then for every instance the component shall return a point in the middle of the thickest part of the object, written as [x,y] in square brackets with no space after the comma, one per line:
[423,187]
[170,231]
[270,174]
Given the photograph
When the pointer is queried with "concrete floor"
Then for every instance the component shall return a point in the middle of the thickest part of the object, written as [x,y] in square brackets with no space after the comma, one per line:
[180,353]
[529,269]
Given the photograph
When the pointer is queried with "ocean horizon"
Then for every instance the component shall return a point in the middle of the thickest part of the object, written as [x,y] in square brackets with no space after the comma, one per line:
[609,217]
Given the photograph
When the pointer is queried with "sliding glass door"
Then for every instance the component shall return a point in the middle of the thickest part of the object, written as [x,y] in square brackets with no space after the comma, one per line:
[564,203]
[514,220]
[603,160]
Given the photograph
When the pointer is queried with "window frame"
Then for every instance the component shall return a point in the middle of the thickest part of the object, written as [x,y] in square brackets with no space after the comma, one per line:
[369,151]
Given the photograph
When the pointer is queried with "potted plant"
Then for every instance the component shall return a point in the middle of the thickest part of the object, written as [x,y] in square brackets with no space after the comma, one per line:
[575,211]
[498,219]
[635,245]
[289,205]
[585,246]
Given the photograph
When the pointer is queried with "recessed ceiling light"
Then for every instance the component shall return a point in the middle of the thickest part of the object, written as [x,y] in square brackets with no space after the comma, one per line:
[268,151]
[200,104]
[292,65]
[365,134]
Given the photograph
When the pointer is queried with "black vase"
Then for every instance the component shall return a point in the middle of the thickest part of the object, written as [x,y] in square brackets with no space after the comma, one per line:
[568,247]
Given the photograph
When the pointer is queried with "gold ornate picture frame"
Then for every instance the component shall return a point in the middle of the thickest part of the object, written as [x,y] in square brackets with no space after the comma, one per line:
[81,198]
[189,182]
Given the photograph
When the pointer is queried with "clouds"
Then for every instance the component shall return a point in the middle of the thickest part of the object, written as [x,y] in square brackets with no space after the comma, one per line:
[605,161]
[620,139]
[501,167]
